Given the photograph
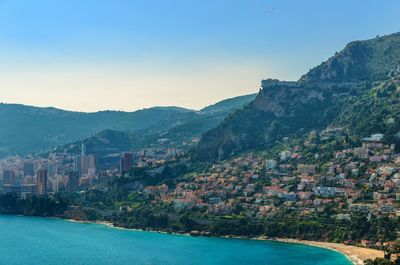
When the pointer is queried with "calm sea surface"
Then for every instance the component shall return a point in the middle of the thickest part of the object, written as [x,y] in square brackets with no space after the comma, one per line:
[26,240]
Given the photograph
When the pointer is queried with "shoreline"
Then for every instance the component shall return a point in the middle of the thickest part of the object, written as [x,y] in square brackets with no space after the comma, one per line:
[356,255]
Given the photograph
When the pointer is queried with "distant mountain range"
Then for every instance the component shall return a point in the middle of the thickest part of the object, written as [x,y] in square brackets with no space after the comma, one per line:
[27,129]
[357,89]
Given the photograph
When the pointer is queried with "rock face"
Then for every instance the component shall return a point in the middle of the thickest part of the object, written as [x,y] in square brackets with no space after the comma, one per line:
[284,108]
[280,108]
[282,98]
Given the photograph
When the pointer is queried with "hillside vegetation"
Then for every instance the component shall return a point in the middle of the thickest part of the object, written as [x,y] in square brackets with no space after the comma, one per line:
[357,89]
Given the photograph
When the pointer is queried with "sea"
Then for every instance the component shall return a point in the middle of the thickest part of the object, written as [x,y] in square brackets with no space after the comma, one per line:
[48,241]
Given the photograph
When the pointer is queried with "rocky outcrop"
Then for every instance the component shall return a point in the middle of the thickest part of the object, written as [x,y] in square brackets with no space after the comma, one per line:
[315,101]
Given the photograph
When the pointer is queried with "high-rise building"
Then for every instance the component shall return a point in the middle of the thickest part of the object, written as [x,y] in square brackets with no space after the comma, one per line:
[87,148]
[52,170]
[29,169]
[73,181]
[28,190]
[85,165]
[88,165]
[78,165]
[8,177]
[41,182]
[11,182]
[126,162]
[92,164]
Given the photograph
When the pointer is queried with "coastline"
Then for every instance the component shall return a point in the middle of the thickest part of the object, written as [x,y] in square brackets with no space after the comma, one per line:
[357,255]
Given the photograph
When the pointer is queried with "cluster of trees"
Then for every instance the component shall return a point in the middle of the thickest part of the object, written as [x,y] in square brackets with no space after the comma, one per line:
[33,206]
[110,205]
[375,110]
[380,261]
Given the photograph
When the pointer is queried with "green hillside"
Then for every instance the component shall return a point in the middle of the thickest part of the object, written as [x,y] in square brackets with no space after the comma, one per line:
[27,129]
[357,88]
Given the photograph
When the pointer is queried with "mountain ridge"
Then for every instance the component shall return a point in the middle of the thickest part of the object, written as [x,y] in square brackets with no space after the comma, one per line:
[35,129]
[285,108]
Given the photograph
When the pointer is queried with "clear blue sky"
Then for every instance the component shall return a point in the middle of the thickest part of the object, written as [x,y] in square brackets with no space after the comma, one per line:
[119,54]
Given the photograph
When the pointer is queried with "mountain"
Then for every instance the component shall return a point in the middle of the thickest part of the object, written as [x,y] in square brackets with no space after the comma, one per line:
[28,129]
[189,126]
[229,105]
[375,110]
[359,61]
[355,89]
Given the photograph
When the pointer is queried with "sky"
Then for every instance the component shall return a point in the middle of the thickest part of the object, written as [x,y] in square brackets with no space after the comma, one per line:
[90,55]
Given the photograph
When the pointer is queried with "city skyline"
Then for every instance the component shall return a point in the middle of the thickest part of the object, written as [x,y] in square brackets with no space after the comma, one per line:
[98,55]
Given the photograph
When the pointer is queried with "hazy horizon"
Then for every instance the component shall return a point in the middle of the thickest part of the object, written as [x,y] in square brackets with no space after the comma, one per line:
[99,55]
[132,110]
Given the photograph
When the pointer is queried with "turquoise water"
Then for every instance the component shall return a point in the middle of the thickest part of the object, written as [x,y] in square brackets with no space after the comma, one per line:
[26,240]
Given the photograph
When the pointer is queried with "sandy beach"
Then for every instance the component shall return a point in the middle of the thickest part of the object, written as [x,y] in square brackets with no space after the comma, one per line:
[356,254]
